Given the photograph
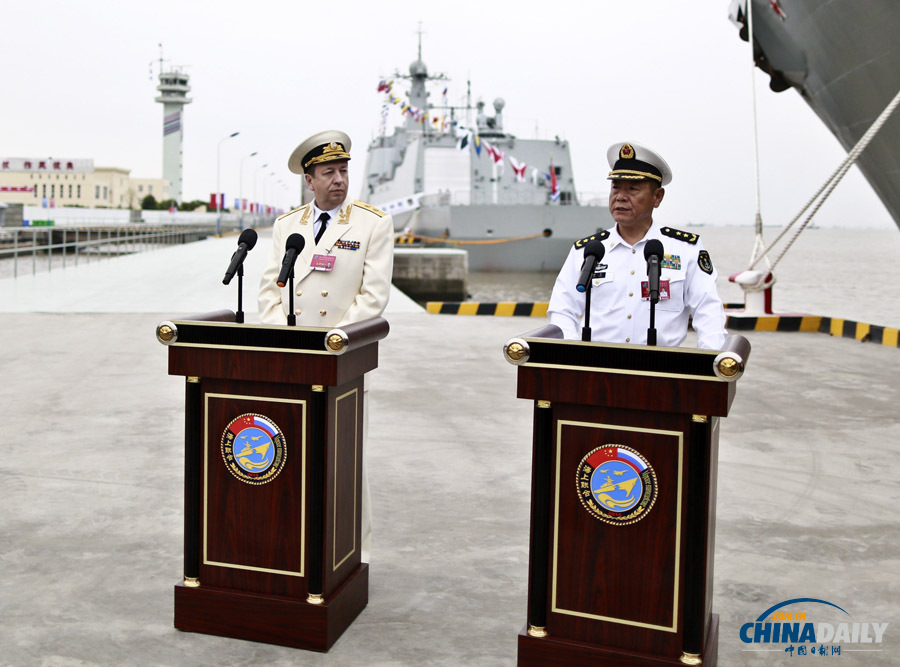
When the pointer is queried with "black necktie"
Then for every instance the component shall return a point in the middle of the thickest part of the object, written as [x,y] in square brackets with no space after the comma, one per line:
[323,219]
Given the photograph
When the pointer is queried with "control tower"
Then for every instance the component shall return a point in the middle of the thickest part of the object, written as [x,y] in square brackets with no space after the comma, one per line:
[173,89]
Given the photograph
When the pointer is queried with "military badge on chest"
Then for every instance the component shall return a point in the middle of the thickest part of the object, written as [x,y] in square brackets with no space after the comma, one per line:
[347,245]
[599,274]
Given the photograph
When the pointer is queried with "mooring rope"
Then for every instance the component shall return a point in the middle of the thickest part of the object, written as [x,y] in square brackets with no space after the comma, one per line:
[829,185]
[409,238]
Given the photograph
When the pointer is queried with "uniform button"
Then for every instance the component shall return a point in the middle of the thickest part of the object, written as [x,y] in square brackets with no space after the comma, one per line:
[629,316]
[299,312]
[631,294]
[627,340]
[324,292]
[300,291]
[632,272]
[633,251]
[321,312]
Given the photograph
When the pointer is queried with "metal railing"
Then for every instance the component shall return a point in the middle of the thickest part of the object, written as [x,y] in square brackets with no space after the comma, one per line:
[86,244]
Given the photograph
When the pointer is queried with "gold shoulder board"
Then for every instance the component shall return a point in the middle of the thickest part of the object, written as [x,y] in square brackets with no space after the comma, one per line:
[284,215]
[370,208]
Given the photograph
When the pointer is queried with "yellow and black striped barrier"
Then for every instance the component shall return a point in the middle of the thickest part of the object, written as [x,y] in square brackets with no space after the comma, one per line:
[867,333]
[500,309]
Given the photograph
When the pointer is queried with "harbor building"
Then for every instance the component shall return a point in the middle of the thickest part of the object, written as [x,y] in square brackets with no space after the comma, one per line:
[57,182]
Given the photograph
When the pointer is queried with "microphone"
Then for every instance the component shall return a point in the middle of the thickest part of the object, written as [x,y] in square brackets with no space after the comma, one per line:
[293,246]
[593,253]
[653,253]
[245,244]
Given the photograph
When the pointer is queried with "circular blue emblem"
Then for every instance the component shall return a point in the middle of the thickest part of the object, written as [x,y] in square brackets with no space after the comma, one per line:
[253,448]
[616,484]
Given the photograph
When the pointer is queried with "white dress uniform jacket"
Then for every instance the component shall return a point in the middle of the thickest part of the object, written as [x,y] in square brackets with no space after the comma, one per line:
[618,312]
[361,240]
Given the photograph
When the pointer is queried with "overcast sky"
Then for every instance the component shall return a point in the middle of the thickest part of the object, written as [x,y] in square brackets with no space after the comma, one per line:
[80,80]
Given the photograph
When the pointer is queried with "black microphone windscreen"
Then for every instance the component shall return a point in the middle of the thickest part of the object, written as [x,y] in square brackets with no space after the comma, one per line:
[594,248]
[295,242]
[248,238]
[653,248]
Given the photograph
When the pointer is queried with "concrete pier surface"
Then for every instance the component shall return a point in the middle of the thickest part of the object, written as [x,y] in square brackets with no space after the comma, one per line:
[92,470]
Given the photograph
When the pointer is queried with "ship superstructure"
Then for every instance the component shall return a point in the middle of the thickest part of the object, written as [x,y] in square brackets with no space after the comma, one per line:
[446,179]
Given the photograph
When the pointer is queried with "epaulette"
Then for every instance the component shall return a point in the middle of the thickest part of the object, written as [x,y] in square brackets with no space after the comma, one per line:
[289,212]
[687,237]
[602,235]
[370,208]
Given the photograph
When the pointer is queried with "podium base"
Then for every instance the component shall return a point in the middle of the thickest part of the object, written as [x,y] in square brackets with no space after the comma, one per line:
[272,619]
[535,652]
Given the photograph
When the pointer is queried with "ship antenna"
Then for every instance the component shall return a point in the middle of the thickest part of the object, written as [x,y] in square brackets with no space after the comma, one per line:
[420,40]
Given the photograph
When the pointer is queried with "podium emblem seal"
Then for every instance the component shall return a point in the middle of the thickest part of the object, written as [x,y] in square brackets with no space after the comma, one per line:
[253,448]
[616,484]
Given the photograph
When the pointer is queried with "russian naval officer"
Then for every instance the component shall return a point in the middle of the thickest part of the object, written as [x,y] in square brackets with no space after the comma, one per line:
[344,273]
[620,303]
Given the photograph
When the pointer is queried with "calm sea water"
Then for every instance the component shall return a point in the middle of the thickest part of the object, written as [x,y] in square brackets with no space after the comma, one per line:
[832,272]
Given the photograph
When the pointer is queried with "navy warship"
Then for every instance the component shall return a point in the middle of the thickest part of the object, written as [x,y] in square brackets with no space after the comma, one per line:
[843,58]
[450,180]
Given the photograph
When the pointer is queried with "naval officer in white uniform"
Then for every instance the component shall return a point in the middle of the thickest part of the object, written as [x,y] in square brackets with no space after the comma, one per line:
[620,305]
[344,273]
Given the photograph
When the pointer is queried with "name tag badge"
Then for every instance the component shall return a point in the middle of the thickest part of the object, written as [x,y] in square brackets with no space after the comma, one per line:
[599,275]
[322,263]
[663,290]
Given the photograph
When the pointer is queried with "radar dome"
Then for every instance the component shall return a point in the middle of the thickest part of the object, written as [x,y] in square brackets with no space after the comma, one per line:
[499,103]
[417,68]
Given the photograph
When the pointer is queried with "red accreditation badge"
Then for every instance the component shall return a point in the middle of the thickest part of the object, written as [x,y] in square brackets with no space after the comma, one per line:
[322,263]
[663,290]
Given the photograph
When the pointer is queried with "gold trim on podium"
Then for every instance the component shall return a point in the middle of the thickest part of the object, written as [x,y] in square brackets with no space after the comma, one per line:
[315,598]
[691,659]
[302,459]
[355,392]
[537,631]
[679,501]
[192,582]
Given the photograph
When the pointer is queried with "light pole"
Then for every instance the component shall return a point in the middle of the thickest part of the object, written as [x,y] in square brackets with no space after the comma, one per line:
[241,186]
[266,194]
[219,198]
[255,198]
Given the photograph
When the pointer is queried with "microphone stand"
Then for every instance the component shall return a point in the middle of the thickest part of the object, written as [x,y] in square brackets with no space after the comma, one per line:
[586,329]
[653,282]
[651,332]
[239,315]
[291,318]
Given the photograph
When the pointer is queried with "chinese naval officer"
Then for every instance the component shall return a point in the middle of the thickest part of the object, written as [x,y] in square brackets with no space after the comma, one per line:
[620,303]
[343,274]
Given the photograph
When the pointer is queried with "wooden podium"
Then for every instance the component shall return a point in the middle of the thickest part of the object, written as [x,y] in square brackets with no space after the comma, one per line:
[623,503]
[273,464]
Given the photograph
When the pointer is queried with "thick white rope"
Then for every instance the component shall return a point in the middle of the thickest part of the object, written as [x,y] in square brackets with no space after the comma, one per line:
[758,243]
[830,184]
